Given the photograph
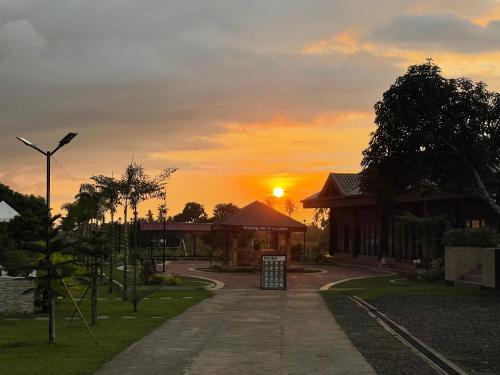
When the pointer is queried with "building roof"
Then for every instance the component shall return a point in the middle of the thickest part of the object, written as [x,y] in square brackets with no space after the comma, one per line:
[7,213]
[259,216]
[338,185]
[347,183]
[183,227]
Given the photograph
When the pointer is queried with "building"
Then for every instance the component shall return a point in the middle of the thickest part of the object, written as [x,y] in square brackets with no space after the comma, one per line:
[361,231]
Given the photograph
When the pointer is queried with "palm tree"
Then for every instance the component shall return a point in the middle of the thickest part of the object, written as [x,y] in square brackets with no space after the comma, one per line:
[142,187]
[109,191]
[290,207]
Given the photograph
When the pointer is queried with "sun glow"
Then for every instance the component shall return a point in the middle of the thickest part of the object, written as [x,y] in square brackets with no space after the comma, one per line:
[278,192]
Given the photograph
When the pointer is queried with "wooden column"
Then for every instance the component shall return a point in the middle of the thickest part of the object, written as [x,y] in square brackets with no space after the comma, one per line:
[288,249]
[226,248]
[194,244]
[333,229]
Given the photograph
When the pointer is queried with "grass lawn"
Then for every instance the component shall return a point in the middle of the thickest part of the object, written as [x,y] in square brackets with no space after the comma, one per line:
[23,343]
[375,287]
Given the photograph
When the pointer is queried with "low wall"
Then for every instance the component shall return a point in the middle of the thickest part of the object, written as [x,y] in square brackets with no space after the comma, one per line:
[460,260]
[13,300]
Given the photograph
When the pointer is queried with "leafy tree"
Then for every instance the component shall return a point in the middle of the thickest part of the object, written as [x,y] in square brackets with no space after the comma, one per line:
[193,212]
[436,131]
[223,210]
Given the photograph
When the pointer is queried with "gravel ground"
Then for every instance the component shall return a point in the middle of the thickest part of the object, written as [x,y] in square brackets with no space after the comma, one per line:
[466,330]
[386,354]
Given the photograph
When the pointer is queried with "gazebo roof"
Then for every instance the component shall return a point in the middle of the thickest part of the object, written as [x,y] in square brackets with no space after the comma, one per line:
[259,216]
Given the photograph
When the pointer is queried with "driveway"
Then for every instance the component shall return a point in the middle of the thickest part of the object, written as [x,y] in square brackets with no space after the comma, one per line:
[295,281]
[243,332]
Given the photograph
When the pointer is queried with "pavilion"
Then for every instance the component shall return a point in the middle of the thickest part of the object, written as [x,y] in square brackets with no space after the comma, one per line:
[257,217]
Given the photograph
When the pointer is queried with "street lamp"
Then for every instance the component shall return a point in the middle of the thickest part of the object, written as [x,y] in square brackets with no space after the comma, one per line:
[52,307]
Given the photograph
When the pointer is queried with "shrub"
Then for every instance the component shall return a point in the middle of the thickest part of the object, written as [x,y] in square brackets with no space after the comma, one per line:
[147,271]
[172,279]
[436,271]
[483,237]
[156,279]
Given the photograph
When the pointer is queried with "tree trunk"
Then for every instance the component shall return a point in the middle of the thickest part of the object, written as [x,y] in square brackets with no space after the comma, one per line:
[111,255]
[125,256]
[134,262]
[94,292]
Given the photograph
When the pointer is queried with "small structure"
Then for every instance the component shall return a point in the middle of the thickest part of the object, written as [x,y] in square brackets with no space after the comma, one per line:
[16,293]
[362,231]
[257,217]
[7,213]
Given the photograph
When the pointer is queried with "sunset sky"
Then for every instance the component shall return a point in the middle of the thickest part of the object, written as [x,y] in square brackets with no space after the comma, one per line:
[241,96]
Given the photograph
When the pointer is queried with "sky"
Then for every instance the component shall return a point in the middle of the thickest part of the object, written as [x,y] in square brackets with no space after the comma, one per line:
[241,96]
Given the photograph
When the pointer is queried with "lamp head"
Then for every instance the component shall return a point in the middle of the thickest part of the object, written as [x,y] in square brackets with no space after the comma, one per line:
[68,138]
[26,142]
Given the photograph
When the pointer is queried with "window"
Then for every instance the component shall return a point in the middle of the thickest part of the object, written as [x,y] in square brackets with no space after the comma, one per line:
[475,223]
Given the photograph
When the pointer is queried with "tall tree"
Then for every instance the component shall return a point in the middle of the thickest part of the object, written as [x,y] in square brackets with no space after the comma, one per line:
[143,187]
[432,130]
[193,212]
[109,189]
[223,210]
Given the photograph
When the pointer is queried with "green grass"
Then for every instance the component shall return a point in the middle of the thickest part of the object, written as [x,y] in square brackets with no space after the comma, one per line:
[375,287]
[186,281]
[24,348]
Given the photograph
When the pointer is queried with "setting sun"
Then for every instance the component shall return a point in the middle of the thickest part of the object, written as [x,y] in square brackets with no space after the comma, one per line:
[278,192]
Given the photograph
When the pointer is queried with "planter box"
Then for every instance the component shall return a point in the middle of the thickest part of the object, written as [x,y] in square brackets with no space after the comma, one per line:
[461,260]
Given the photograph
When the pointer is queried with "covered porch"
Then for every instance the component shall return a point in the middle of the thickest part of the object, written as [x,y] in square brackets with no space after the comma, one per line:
[255,230]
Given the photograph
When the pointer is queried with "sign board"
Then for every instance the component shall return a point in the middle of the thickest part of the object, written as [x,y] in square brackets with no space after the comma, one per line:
[273,272]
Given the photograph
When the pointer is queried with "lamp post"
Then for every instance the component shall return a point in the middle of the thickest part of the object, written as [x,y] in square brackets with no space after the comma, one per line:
[52,307]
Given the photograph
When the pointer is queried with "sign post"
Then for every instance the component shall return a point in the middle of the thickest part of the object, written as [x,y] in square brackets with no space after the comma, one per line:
[273,272]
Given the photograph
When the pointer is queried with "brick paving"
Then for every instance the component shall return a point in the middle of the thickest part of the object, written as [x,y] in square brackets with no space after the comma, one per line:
[296,281]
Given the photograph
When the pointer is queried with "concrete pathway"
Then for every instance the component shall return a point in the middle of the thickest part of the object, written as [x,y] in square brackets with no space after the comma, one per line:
[242,332]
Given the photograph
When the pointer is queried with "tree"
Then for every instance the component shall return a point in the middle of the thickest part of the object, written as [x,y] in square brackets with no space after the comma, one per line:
[290,207]
[97,248]
[223,210]
[162,212]
[45,245]
[434,131]
[150,217]
[193,212]
[141,187]
[109,190]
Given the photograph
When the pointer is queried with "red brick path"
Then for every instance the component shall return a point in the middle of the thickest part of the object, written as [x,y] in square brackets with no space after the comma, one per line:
[296,281]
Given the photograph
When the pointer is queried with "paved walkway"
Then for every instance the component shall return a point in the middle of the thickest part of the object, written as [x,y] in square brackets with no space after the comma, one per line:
[295,281]
[243,332]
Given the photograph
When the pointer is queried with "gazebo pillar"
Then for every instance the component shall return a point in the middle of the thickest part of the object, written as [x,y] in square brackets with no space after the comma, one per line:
[288,249]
